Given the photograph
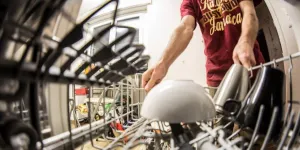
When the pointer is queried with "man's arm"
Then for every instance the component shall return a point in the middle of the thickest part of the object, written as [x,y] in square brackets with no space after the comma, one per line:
[179,40]
[250,22]
[243,52]
[177,44]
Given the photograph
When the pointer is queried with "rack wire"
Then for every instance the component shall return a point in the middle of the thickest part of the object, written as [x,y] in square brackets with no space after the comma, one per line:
[47,59]
[282,59]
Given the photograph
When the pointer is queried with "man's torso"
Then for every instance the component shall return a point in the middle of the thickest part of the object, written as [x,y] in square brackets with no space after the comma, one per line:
[220,23]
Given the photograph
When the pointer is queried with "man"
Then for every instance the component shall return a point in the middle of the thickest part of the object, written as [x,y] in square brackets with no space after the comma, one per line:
[229,29]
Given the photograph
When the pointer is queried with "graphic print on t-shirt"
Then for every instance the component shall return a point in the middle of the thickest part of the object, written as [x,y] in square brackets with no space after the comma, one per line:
[216,14]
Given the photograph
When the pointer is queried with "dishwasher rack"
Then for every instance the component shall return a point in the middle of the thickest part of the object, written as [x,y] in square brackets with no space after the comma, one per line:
[30,59]
[154,134]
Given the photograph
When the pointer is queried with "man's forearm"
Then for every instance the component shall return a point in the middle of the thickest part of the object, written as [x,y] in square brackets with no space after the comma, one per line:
[249,26]
[177,44]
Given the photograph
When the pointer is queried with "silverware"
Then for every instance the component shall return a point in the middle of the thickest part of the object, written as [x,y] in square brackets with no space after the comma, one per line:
[233,86]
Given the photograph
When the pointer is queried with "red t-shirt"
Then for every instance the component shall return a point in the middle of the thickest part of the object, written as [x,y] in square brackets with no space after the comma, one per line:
[220,25]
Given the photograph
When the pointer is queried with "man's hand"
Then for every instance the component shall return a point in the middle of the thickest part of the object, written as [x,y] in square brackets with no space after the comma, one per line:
[154,76]
[243,54]
[243,51]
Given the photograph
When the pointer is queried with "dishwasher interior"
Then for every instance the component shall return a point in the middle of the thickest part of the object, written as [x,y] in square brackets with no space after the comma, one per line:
[55,94]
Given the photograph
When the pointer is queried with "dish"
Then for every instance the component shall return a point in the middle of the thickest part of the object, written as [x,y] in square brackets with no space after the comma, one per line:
[178,101]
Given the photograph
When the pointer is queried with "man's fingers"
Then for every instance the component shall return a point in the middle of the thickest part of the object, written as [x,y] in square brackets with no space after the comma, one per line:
[235,59]
[146,77]
[150,85]
[152,82]
[253,62]
[245,62]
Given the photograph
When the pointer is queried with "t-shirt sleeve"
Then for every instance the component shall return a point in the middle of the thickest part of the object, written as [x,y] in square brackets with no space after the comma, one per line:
[187,8]
[255,2]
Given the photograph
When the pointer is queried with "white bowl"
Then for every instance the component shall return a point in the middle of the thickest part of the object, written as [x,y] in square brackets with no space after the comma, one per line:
[178,101]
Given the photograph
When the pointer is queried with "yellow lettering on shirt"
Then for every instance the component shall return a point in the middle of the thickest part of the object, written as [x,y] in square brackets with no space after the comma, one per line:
[228,20]
[212,29]
[220,25]
[217,13]
[239,18]
[218,9]
[233,21]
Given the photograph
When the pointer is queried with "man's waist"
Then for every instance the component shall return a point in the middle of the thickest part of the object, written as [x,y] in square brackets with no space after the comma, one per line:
[216,72]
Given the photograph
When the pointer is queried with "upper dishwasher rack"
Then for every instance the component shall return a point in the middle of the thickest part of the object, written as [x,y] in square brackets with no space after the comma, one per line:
[39,53]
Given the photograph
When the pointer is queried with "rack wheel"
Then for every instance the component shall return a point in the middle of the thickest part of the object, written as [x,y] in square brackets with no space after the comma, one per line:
[18,134]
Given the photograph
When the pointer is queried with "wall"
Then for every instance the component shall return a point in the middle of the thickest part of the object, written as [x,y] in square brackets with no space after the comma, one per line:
[161,19]
[89,5]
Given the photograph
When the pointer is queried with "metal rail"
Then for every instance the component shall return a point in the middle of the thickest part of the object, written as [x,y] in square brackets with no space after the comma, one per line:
[282,59]
[62,138]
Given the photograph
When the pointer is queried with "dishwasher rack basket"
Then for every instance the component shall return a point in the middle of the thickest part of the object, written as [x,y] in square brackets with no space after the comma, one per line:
[30,58]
